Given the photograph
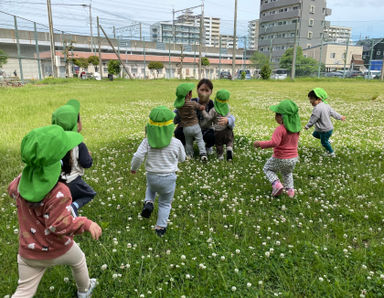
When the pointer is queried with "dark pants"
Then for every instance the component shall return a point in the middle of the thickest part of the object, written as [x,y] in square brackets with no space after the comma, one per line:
[81,192]
[208,136]
[223,137]
[324,138]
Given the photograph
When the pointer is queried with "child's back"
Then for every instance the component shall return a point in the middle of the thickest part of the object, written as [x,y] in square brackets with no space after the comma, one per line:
[187,113]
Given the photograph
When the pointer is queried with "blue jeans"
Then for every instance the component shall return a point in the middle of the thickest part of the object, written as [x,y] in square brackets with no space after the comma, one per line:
[324,138]
[164,186]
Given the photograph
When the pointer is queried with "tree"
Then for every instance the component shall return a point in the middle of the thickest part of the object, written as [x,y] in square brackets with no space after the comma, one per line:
[265,71]
[259,59]
[3,58]
[94,60]
[154,65]
[205,61]
[304,66]
[81,62]
[114,67]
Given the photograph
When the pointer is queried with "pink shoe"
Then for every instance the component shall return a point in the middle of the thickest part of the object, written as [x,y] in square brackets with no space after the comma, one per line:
[277,189]
[290,192]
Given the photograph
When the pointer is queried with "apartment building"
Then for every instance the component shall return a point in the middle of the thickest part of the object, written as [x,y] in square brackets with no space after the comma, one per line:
[283,21]
[253,34]
[227,41]
[338,34]
[184,33]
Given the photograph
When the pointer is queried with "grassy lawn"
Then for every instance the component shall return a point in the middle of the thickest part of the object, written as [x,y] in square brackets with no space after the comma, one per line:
[227,236]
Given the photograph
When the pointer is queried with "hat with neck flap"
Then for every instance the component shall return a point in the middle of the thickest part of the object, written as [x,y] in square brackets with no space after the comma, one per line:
[290,112]
[41,151]
[67,115]
[181,92]
[320,93]
[221,102]
[160,127]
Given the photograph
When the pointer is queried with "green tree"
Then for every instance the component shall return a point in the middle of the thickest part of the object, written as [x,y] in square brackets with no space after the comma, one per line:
[154,65]
[205,61]
[3,58]
[114,67]
[304,66]
[265,71]
[81,62]
[94,60]
[259,59]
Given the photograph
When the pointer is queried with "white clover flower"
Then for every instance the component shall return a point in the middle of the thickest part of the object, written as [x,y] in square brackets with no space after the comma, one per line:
[66,279]
[183,257]
[321,279]
[222,258]
[51,288]
[249,285]
[104,267]
[188,276]
[237,251]
[236,270]
[260,282]
[233,289]
[267,254]
[168,252]
[114,275]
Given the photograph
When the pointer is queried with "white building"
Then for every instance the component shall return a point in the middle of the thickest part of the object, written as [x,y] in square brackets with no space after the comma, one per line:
[337,34]
[227,41]
[253,34]
[179,33]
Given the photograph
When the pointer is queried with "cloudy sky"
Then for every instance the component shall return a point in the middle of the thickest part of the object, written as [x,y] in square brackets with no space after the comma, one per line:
[365,17]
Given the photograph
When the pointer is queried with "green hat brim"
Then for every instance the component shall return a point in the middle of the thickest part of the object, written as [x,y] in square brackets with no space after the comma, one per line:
[66,117]
[159,136]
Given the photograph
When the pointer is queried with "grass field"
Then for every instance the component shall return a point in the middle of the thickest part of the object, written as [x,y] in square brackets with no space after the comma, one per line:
[227,237]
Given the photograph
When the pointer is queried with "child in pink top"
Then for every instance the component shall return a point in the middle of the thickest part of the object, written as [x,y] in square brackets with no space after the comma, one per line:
[284,142]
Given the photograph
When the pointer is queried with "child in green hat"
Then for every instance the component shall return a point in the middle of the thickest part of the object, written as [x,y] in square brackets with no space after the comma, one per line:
[284,142]
[46,225]
[188,119]
[321,118]
[76,160]
[163,153]
[223,134]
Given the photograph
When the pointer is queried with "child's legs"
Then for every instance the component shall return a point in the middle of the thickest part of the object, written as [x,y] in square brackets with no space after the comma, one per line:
[150,193]
[81,192]
[179,134]
[324,137]
[219,142]
[229,139]
[29,278]
[316,134]
[200,141]
[189,133]
[271,167]
[287,167]
[209,137]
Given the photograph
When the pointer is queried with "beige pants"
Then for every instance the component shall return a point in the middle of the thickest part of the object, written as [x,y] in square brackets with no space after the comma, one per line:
[31,271]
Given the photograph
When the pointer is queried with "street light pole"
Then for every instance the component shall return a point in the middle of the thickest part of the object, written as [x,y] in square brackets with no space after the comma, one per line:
[234,42]
[51,39]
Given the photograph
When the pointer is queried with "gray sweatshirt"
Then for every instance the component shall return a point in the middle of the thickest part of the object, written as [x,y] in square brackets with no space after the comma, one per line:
[321,117]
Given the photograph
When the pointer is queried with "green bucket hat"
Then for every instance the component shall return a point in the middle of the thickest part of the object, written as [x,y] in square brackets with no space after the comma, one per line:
[75,104]
[181,92]
[41,151]
[66,117]
[320,93]
[220,103]
[290,112]
[160,127]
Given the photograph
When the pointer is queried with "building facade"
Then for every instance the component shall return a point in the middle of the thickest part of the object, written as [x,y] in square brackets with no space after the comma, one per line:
[337,34]
[253,34]
[183,33]
[227,41]
[372,47]
[284,21]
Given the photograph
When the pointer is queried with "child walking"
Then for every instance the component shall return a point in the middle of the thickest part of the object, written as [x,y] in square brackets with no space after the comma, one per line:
[188,119]
[223,134]
[76,160]
[46,226]
[321,118]
[284,142]
[163,152]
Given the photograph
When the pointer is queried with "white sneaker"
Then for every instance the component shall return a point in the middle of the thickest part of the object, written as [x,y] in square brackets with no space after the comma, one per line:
[330,141]
[221,157]
[92,285]
[210,151]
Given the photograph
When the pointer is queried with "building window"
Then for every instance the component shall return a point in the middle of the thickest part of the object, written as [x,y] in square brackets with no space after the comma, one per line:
[333,55]
[311,22]
[308,45]
[312,9]
[310,34]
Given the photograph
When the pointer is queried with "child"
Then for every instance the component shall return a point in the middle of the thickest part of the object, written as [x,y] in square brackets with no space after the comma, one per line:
[321,118]
[188,119]
[163,153]
[284,142]
[74,162]
[45,222]
[223,134]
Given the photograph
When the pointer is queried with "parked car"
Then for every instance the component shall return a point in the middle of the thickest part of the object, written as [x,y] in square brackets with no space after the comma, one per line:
[279,74]
[225,75]
[247,74]
[334,74]
[373,74]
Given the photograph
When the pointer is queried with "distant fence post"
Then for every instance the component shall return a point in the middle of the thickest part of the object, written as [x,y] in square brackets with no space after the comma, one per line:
[18,50]
[37,51]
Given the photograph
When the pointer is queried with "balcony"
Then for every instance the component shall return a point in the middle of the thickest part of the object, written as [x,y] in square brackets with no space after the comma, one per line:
[278,4]
[277,29]
[276,41]
[280,16]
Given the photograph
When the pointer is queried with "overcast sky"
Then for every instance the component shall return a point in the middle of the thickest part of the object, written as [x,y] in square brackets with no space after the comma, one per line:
[366,17]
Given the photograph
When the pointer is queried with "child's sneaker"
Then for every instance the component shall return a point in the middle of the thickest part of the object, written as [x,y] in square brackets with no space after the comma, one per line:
[220,157]
[92,285]
[290,192]
[74,210]
[210,151]
[203,157]
[160,232]
[229,155]
[330,141]
[147,209]
[277,189]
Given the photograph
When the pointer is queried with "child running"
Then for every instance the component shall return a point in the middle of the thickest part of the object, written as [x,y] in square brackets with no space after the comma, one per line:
[321,118]
[284,142]
[46,226]
[223,134]
[76,160]
[188,119]
[163,153]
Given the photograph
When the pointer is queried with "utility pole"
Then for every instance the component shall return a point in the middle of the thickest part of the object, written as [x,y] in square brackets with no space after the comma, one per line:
[181,61]
[294,53]
[321,54]
[370,59]
[234,42]
[145,63]
[169,59]
[51,39]
[201,38]
[346,57]
[219,55]
[99,42]
[90,27]
[141,34]
[173,29]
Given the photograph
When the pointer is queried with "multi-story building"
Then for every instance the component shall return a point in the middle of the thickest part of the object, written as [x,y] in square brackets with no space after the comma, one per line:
[337,34]
[183,33]
[253,34]
[372,48]
[283,21]
[227,41]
